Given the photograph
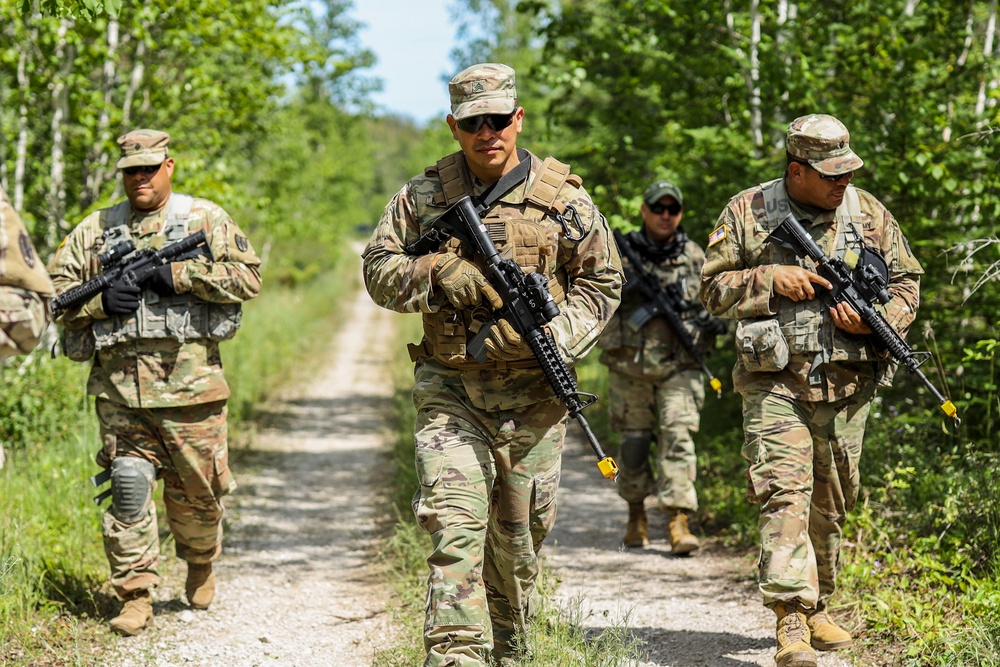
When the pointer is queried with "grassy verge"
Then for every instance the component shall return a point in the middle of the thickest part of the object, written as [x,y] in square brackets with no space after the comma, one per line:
[558,637]
[53,573]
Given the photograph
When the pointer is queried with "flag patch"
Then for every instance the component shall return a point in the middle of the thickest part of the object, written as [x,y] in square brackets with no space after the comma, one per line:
[717,236]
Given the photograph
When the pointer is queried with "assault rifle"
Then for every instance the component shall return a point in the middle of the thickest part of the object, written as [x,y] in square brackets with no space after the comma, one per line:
[859,286]
[527,306]
[134,267]
[665,303]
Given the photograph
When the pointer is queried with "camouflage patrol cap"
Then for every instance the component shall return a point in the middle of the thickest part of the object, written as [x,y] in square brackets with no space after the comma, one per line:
[483,89]
[823,142]
[142,147]
[660,189]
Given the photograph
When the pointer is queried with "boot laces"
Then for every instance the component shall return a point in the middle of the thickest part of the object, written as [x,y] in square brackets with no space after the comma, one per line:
[791,629]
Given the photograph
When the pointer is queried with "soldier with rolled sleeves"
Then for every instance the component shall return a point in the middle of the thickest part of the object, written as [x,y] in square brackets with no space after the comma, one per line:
[489,436]
[25,288]
[807,372]
[157,374]
[655,389]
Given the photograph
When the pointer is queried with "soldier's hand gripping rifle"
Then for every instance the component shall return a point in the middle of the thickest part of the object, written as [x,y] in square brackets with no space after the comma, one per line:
[527,306]
[859,287]
[134,267]
[661,303]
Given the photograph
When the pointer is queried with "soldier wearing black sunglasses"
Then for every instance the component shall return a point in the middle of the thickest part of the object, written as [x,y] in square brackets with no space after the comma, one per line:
[489,435]
[655,389]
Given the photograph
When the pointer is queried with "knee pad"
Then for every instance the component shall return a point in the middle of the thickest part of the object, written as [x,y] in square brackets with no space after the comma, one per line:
[635,448]
[132,481]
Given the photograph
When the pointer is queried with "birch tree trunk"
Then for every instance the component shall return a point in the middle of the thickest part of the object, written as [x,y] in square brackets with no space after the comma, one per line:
[756,122]
[98,171]
[987,82]
[65,53]
[21,152]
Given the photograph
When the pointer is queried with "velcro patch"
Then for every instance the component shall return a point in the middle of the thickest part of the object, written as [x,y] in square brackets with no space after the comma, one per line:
[717,235]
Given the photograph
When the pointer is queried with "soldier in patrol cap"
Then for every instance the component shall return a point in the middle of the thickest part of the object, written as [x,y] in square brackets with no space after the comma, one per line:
[156,372]
[489,436]
[655,390]
[807,372]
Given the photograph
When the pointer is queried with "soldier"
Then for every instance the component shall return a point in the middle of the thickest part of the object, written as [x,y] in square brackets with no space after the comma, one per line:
[807,372]
[655,389]
[156,372]
[25,287]
[489,436]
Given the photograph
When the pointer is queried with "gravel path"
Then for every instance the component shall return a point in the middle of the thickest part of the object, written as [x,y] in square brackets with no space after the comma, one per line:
[295,585]
[702,610]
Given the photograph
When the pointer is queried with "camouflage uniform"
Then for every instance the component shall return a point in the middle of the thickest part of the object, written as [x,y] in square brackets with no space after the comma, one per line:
[654,386]
[160,391]
[24,285]
[488,436]
[804,424]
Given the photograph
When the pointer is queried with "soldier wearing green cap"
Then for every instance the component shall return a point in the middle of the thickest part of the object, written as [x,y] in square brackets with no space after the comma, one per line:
[489,436]
[807,372]
[655,390]
[156,371]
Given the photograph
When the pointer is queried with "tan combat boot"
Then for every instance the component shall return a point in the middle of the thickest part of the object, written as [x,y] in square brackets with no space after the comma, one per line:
[825,634]
[793,637]
[681,539]
[136,615]
[637,533]
[200,585]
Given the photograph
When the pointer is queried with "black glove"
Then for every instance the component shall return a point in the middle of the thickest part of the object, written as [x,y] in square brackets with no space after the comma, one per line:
[121,298]
[162,280]
[712,326]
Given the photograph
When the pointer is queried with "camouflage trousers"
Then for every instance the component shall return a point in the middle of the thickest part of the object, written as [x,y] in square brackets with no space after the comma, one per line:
[669,408]
[487,498]
[187,445]
[803,470]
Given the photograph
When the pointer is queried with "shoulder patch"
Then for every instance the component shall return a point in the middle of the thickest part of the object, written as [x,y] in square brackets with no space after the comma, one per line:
[717,235]
[27,250]
[242,243]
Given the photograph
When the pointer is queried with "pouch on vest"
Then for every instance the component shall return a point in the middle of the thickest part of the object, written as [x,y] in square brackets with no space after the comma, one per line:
[760,345]
[76,344]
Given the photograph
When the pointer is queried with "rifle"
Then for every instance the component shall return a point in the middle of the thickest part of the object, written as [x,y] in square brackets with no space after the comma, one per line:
[665,303]
[134,267]
[859,287]
[527,306]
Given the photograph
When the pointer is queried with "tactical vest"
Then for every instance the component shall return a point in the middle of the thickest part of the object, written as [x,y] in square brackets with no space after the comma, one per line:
[178,316]
[808,329]
[526,233]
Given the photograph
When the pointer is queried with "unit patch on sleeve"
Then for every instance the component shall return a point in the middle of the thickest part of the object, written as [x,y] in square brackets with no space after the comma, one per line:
[717,235]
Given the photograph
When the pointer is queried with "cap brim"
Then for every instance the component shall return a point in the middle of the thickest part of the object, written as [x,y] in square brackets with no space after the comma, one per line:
[657,195]
[500,105]
[141,160]
[835,166]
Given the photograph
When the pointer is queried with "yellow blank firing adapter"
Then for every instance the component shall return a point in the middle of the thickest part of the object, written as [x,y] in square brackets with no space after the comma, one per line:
[717,386]
[608,468]
[950,410]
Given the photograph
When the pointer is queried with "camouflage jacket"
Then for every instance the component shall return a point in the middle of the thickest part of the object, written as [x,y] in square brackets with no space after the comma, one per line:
[585,276]
[24,285]
[738,279]
[653,351]
[160,372]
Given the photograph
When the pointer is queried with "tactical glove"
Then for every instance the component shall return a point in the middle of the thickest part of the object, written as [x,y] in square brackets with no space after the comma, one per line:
[463,283]
[162,280]
[121,298]
[712,326]
[505,344]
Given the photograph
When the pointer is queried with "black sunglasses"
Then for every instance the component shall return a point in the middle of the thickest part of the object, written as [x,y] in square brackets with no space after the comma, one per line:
[658,208]
[494,121]
[827,177]
[145,169]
